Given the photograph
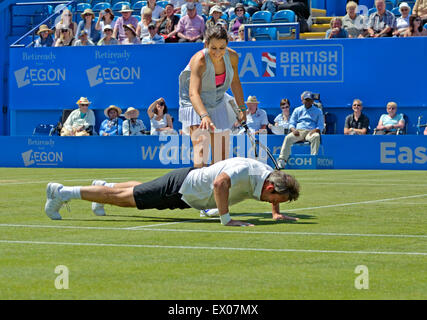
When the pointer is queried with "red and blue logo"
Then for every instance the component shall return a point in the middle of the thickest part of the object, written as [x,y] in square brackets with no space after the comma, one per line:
[269,64]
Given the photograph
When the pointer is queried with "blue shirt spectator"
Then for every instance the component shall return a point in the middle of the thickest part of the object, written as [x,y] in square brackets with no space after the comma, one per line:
[113,125]
[307,118]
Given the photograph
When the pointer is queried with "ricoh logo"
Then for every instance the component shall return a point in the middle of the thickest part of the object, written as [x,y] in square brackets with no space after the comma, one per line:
[41,158]
[113,75]
[39,76]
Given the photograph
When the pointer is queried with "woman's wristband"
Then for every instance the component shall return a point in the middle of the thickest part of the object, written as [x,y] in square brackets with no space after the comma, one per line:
[243,108]
[204,115]
[225,218]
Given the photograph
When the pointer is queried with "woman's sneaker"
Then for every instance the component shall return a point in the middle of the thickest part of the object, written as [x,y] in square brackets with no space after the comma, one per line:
[98,208]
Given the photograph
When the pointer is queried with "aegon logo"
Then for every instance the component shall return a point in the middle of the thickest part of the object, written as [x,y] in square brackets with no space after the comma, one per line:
[391,154]
[113,75]
[39,77]
[41,158]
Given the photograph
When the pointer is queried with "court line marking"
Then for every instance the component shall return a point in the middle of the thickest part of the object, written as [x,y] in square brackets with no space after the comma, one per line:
[283,233]
[295,210]
[150,246]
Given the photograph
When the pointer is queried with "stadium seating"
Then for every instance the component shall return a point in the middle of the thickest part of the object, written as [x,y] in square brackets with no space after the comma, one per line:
[265,33]
[389,5]
[94,2]
[82,6]
[396,12]
[138,5]
[101,6]
[284,16]
[371,11]
[261,17]
[162,3]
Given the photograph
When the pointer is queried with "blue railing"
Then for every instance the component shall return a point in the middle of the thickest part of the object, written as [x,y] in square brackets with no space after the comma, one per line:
[56,12]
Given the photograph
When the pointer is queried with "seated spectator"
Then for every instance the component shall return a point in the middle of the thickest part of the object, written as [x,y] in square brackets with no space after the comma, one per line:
[415,28]
[390,122]
[281,122]
[235,23]
[425,131]
[420,9]
[381,23]
[156,10]
[66,38]
[306,124]
[81,121]
[197,5]
[45,37]
[65,22]
[133,126]
[271,5]
[240,34]
[215,16]
[191,27]
[112,126]
[106,17]
[256,118]
[168,23]
[336,30]
[88,24]
[356,123]
[108,37]
[153,37]
[125,19]
[146,19]
[353,22]
[228,6]
[402,23]
[130,33]
[252,6]
[83,40]
[160,119]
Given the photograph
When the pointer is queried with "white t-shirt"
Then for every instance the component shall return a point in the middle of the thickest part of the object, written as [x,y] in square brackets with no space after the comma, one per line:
[247,179]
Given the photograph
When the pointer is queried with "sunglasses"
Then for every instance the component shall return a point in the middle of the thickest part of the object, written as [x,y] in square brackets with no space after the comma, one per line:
[357,105]
[417,19]
[162,104]
[239,10]
[84,105]
[284,107]
[152,28]
[64,30]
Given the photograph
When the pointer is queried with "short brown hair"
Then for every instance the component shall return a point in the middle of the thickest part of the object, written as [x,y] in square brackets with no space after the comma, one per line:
[284,184]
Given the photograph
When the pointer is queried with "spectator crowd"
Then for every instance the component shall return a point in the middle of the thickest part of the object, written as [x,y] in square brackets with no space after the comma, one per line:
[186,21]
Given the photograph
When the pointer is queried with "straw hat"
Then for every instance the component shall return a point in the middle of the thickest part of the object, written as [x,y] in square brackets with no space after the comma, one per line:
[252,99]
[130,109]
[87,11]
[126,8]
[130,27]
[119,111]
[83,100]
[215,8]
[44,28]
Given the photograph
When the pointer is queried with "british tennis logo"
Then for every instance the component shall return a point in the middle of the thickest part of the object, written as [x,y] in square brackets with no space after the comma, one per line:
[269,64]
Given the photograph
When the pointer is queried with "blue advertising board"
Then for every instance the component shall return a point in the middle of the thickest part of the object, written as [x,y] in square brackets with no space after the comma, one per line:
[337,152]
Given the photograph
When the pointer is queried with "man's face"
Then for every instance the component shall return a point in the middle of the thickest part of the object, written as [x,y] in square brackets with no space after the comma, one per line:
[380,4]
[307,102]
[126,15]
[191,13]
[357,106]
[269,195]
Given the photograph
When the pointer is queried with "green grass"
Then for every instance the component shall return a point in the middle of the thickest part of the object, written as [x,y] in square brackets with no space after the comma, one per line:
[181,256]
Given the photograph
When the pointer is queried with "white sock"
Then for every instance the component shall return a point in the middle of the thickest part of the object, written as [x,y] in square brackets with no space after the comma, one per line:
[67,193]
[109,184]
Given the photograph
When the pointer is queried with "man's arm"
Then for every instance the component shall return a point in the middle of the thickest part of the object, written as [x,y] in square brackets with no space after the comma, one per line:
[275,211]
[222,185]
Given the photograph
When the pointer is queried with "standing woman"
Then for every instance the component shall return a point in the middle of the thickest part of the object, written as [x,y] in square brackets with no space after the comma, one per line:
[202,86]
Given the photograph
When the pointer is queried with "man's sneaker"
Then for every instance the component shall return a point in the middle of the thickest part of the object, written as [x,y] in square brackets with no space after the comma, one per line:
[98,208]
[209,213]
[53,202]
[281,163]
